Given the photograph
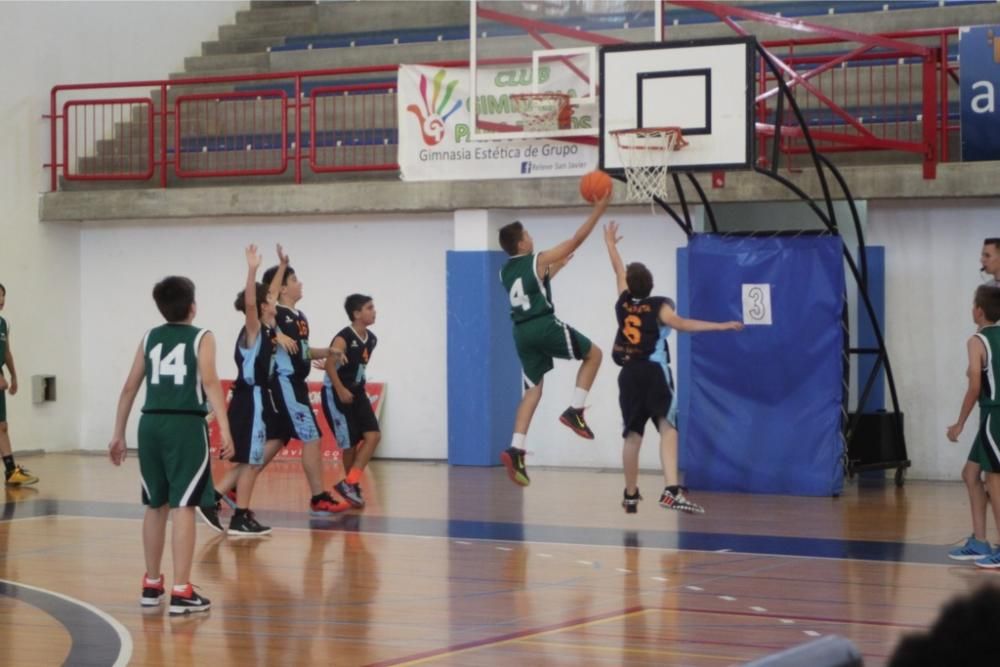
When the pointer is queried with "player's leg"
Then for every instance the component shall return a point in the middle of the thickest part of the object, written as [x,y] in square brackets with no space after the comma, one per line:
[337,417]
[251,457]
[297,411]
[634,417]
[190,479]
[155,496]
[674,495]
[988,439]
[564,342]
[513,457]
[364,424]
[993,484]
[14,474]
[154,536]
[535,363]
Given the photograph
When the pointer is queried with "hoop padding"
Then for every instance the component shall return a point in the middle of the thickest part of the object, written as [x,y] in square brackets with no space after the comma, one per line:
[544,111]
[645,154]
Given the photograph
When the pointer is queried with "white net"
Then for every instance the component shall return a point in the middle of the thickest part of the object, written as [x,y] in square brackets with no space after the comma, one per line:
[543,111]
[646,153]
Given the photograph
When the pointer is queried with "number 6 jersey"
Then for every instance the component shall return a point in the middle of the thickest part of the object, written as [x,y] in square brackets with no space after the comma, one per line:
[172,380]
[640,335]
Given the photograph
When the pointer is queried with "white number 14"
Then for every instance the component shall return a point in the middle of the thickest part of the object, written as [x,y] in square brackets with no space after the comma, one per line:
[172,364]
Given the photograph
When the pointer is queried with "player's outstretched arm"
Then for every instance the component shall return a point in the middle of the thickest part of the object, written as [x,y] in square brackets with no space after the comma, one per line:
[568,247]
[116,448]
[977,357]
[252,322]
[274,289]
[670,317]
[611,240]
[213,391]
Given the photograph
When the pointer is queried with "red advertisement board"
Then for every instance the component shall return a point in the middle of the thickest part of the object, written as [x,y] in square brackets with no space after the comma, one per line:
[376,394]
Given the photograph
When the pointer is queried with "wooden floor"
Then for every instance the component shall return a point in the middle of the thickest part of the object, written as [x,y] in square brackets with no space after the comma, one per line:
[457,566]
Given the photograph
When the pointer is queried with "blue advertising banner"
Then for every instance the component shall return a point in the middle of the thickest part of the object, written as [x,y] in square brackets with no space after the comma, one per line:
[979,53]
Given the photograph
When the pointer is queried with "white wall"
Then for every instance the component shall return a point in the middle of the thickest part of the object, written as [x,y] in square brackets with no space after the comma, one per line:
[932,261]
[400,262]
[41,45]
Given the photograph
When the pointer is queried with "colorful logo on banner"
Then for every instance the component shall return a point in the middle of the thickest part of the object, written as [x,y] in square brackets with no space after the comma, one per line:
[979,53]
[432,119]
[328,445]
[435,141]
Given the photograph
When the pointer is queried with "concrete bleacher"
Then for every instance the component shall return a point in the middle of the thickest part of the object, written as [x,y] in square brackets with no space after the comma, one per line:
[277,37]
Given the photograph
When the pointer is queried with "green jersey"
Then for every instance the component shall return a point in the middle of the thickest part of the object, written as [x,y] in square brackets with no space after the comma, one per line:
[528,298]
[989,394]
[173,383]
[4,331]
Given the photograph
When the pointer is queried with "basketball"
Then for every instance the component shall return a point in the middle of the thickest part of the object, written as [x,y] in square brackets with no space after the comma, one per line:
[595,185]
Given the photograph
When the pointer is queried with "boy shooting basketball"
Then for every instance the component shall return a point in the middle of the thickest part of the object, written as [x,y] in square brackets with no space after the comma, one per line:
[539,336]
[645,383]
[983,371]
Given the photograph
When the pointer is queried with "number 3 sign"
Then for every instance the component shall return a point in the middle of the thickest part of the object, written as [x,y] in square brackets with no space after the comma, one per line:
[756,304]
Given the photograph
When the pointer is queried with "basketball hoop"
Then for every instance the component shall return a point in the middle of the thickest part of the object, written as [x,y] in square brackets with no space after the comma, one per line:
[544,111]
[645,154]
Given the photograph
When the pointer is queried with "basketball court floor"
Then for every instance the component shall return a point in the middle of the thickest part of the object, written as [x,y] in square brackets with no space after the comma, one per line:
[457,566]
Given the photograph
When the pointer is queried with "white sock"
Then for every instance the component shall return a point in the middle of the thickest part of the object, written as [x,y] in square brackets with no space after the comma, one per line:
[517,441]
[579,398]
[151,580]
[180,590]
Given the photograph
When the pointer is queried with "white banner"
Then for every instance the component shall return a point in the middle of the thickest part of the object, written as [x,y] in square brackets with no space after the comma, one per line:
[434,120]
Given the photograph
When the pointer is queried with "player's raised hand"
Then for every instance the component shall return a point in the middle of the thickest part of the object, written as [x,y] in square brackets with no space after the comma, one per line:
[253,259]
[732,326]
[611,233]
[601,205]
[282,257]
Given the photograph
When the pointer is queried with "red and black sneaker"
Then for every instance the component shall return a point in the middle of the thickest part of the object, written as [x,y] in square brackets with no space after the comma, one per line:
[188,602]
[573,418]
[152,591]
[325,505]
[513,459]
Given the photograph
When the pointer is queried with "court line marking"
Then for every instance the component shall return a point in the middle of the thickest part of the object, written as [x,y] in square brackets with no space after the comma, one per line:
[434,654]
[124,637]
[472,540]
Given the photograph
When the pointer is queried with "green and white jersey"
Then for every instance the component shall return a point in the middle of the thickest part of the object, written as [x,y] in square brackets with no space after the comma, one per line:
[172,380]
[989,394]
[528,298]
[4,331]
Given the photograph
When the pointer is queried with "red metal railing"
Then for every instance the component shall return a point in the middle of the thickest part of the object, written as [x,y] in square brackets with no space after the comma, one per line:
[222,133]
[343,125]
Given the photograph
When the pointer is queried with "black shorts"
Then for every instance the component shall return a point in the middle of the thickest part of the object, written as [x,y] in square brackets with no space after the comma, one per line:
[253,420]
[349,421]
[296,420]
[644,393]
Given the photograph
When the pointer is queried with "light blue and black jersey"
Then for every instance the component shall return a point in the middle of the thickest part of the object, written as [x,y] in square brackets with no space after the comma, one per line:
[255,364]
[356,356]
[293,323]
